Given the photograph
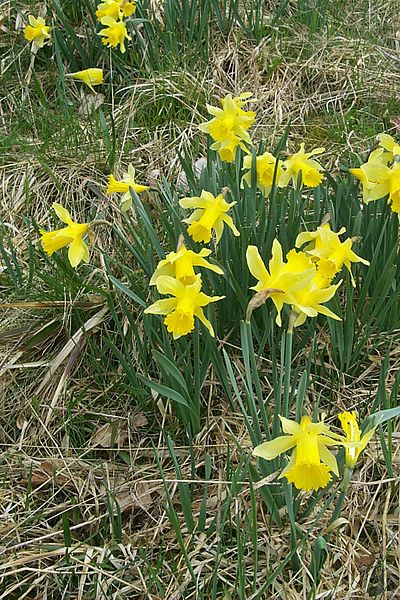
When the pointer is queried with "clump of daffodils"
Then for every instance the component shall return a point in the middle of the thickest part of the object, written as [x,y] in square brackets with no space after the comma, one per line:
[175,276]
[229,126]
[37,32]
[304,280]
[380,175]
[312,463]
[111,14]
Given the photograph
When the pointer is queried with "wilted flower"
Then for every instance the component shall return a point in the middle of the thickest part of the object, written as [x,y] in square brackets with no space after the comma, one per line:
[302,163]
[90,77]
[266,167]
[187,303]
[352,431]
[115,33]
[210,214]
[311,463]
[124,185]
[37,32]
[71,236]
[180,265]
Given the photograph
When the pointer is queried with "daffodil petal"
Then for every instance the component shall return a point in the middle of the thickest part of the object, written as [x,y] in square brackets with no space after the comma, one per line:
[273,448]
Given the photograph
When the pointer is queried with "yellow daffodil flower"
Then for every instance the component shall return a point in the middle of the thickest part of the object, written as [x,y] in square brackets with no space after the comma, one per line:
[367,185]
[308,300]
[37,32]
[389,144]
[187,303]
[387,181]
[71,236]
[265,168]
[282,276]
[352,432]
[90,77]
[325,244]
[302,163]
[116,9]
[180,265]
[115,33]
[311,463]
[229,125]
[123,186]
[210,214]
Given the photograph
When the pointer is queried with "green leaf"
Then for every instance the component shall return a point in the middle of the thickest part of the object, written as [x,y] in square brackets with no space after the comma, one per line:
[380,417]
[163,390]
[123,288]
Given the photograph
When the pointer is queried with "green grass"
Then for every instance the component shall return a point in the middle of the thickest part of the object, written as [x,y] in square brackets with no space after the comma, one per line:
[202,518]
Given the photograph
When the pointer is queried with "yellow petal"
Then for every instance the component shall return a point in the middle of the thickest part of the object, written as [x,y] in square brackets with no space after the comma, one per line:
[162,307]
[273,448]
[62,213]
[255,263]
[169,285]
[76,252]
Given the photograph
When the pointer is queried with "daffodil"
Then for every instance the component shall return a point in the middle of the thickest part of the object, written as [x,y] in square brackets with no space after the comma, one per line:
[301,163]
[266,167]
[71,236]
[180,265]
[90,77]
[391,146]
[308,301]
[37,32]
[351,429]
[387,180]
[186,304]
[115,9]
[326,244]
[312,462]
[114,34]
[124,185]
[210,214]
[282,276]
[229,126]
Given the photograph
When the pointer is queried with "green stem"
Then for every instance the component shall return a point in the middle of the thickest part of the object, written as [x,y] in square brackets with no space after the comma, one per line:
[342,495]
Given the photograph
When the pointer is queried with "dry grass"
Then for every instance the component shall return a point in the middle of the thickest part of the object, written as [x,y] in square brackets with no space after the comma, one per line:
[57,456]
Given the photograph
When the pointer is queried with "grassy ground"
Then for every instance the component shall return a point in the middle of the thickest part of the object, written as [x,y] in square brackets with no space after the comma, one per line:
[104,491]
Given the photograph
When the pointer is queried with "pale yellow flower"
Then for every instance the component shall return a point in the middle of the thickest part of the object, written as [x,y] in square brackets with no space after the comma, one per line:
[229,126]
[326,244]
[186,304]
[353,434]
[282,276]
[266,166]
[124,185]
[37,32]
[210,215]
[312,462]
[116,9]
[180,265]
[114,34]
[90,77]
[300,164]
[71,236]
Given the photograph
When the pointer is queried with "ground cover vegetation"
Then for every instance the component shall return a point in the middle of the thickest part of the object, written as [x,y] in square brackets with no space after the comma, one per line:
[199,267]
